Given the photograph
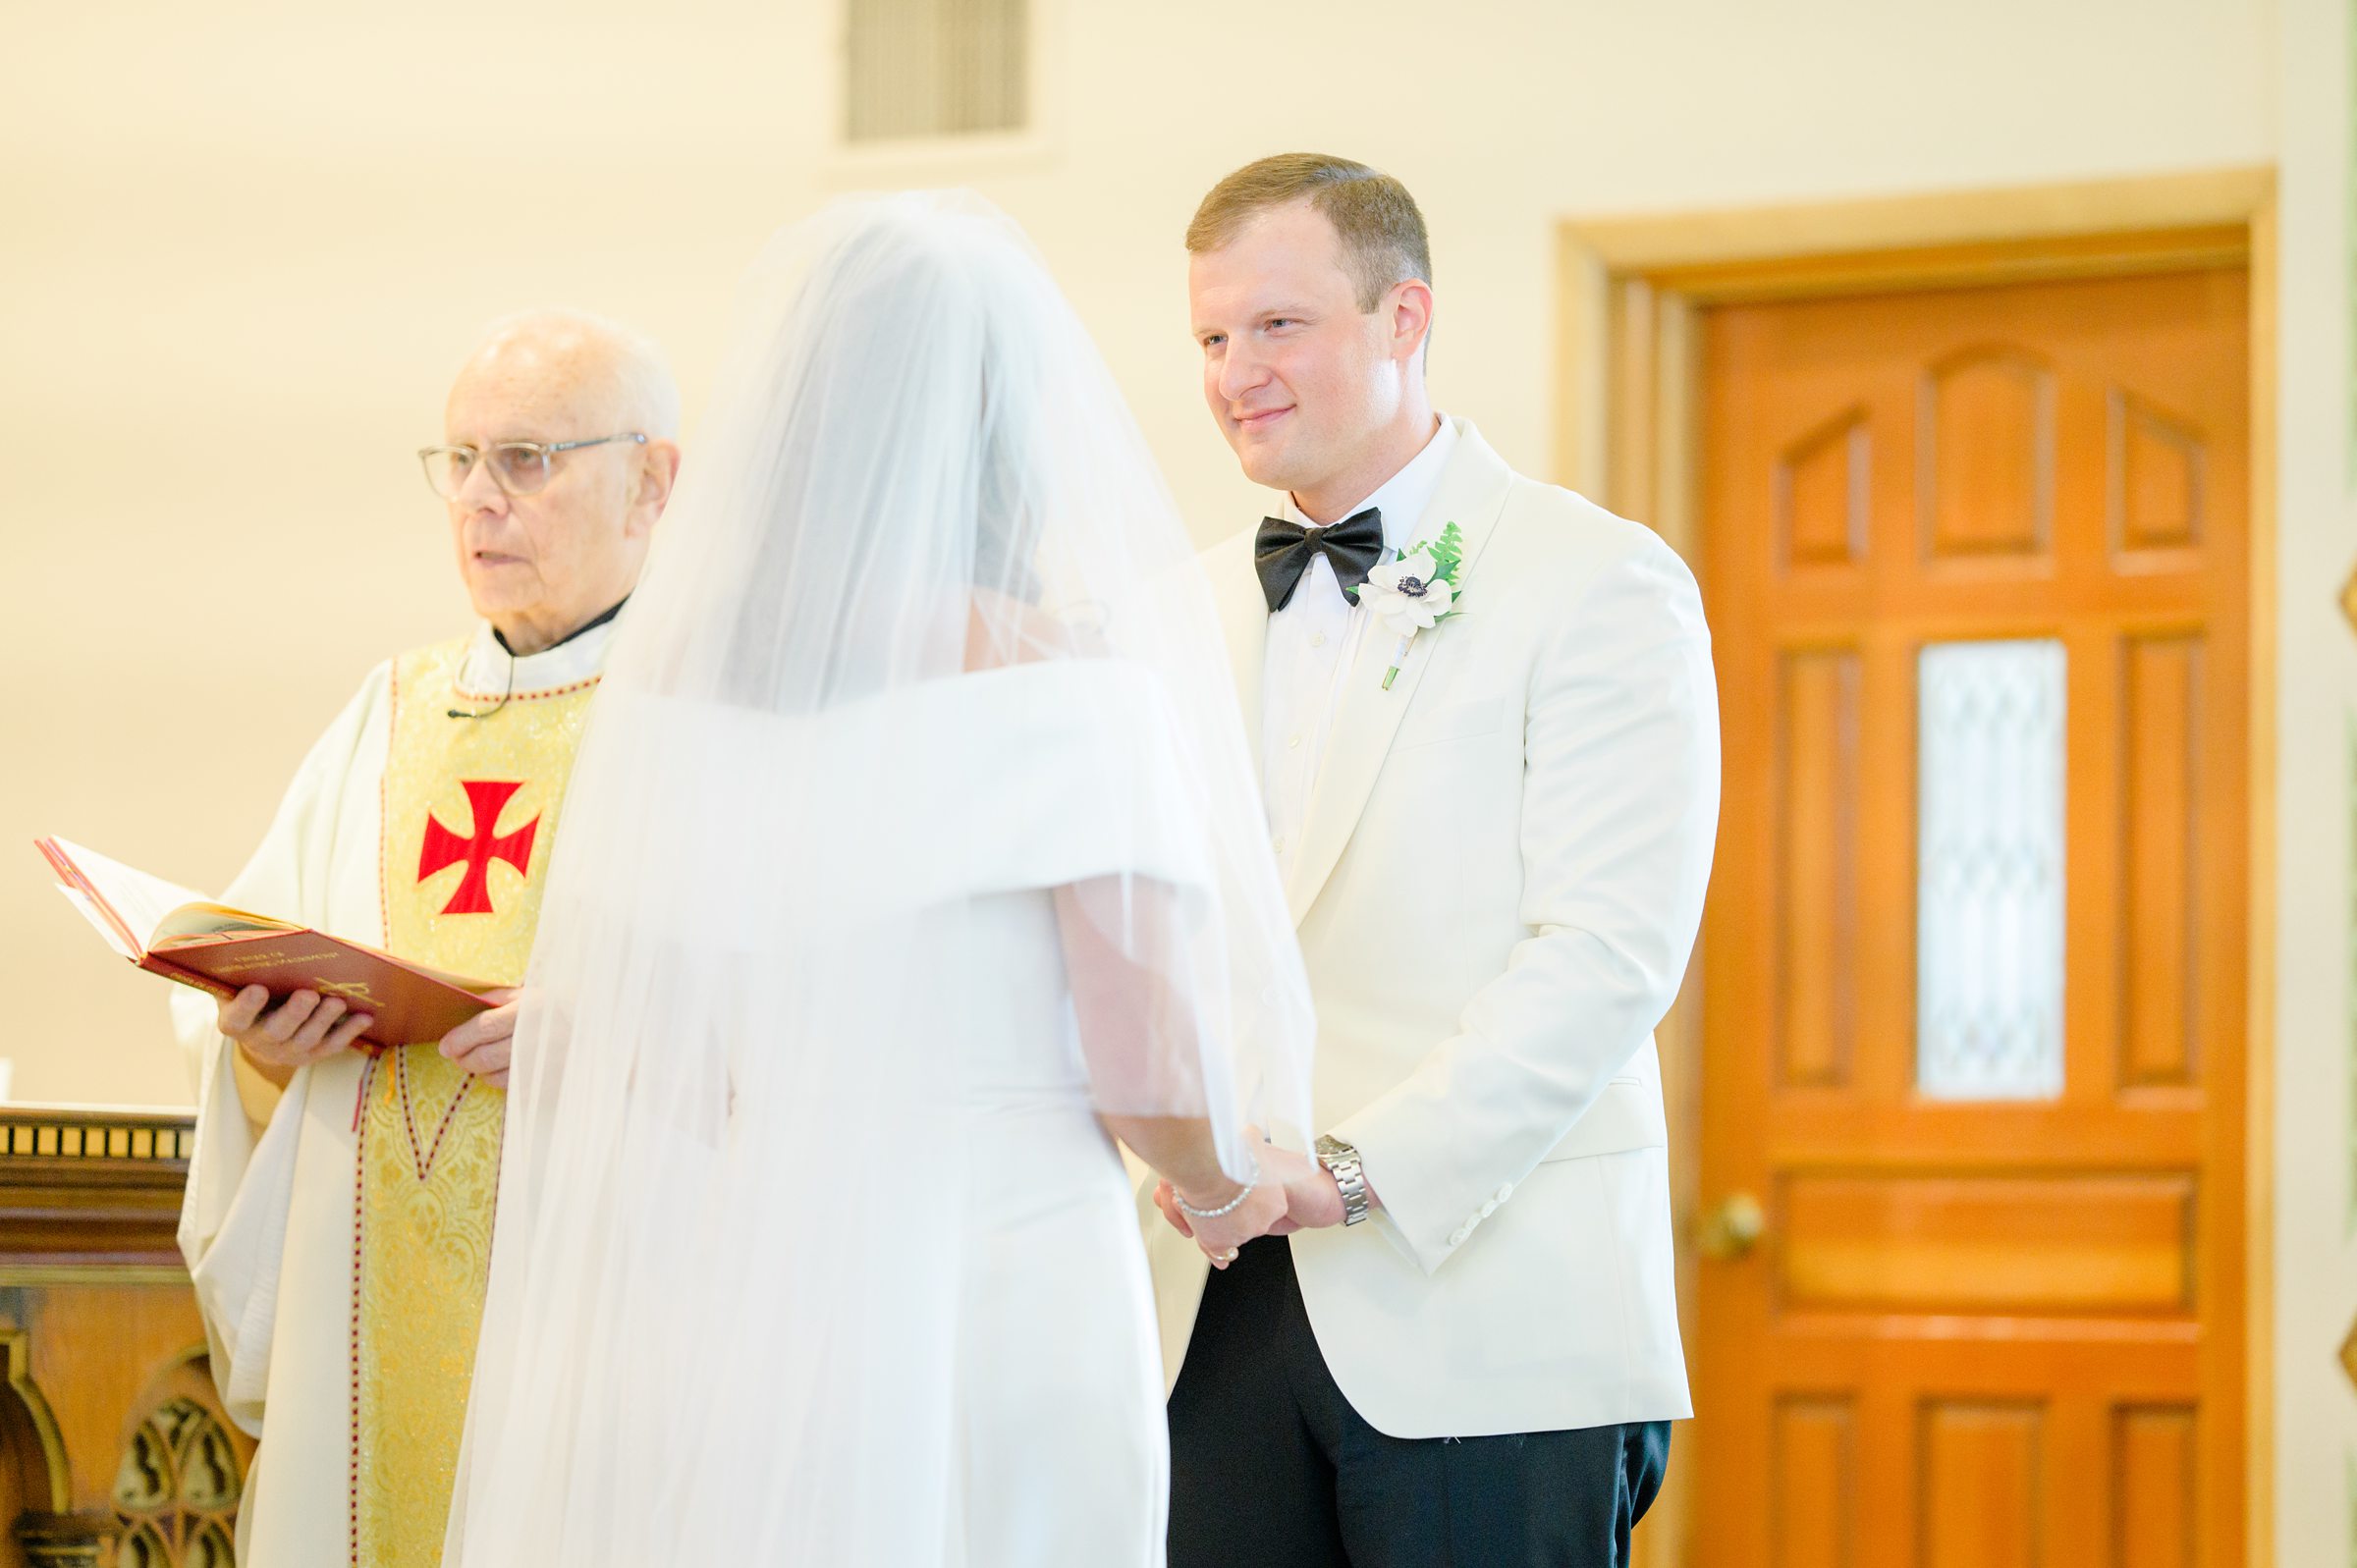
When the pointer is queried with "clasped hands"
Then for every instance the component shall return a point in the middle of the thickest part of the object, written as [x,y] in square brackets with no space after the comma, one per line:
[307,1027]
[1294,1193]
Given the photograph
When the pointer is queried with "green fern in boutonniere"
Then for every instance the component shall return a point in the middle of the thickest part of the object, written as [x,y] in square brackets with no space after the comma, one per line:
[1416,592]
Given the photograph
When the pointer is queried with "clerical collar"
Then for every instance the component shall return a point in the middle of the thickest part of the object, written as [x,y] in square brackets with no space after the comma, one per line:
[491,672]
[582,630]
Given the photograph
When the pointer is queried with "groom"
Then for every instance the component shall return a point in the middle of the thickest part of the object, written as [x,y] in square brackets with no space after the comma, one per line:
[1491,782]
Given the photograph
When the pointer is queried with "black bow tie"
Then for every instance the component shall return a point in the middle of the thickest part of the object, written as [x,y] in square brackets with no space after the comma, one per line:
[1283,551]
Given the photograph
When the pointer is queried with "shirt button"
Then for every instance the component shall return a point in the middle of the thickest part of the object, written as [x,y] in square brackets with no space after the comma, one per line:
[1506,1192]
[1277,844]
[1294,739]
[1317,639]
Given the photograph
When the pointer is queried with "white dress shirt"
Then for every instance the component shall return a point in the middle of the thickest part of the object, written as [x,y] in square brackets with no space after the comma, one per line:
[1313,642]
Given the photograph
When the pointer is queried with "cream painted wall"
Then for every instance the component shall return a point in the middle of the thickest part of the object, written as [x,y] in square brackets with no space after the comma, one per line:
[2316,1143]
[245,245]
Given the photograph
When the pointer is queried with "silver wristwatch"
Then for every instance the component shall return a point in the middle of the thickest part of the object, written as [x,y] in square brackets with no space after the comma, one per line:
[1341,1159]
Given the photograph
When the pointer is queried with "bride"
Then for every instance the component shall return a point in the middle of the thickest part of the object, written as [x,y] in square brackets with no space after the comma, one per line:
[913,856]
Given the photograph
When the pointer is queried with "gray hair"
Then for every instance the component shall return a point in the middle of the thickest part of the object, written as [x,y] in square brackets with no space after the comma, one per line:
[649,397]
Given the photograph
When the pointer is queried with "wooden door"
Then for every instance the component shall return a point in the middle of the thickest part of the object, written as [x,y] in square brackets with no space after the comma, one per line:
[1974,961]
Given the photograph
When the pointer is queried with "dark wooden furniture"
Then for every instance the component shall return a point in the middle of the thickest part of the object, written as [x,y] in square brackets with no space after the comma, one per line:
[114,1451]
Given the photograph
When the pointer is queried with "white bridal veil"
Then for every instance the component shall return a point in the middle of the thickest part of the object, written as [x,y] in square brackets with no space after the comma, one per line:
[920,633]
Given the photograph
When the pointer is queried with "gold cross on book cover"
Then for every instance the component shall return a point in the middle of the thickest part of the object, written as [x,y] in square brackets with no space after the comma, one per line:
[183,936]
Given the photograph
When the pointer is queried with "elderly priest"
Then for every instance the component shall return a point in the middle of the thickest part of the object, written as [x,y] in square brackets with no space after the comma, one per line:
[338,1219]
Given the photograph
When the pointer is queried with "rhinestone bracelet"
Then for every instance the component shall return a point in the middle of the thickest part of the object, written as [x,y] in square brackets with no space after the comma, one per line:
[1227,1207]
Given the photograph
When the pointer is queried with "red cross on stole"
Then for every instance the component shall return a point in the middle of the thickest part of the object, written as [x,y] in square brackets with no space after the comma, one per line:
[443,848]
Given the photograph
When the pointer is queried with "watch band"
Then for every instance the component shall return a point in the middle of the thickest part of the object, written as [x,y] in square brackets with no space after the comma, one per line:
[1350,1175]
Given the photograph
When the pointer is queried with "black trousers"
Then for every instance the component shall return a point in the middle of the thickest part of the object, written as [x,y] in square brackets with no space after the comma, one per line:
[1271,1468]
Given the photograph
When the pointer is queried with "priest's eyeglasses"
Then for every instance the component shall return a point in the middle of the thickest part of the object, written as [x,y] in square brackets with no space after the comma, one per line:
[519,467]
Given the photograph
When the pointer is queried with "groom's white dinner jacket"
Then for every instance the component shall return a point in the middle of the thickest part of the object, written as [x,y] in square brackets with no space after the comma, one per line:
[1497,888]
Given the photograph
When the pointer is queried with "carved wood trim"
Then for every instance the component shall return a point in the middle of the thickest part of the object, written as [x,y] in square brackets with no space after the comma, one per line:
[91,1195]
[15,1346]
[68,1541]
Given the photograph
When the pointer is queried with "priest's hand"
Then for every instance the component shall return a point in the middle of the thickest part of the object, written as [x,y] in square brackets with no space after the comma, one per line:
[483,1043]
[300,1030]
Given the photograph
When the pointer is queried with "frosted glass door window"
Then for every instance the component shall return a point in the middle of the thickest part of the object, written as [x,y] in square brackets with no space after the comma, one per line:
[1988,957]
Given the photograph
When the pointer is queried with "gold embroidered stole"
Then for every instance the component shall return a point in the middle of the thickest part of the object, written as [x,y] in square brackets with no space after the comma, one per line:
[470,820]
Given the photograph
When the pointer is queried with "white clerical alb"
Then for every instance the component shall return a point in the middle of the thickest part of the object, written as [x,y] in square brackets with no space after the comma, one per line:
[270,1225]
[1314,641]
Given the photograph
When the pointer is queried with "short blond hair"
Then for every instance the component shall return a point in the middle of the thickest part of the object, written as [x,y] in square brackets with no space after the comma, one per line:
[1384,241]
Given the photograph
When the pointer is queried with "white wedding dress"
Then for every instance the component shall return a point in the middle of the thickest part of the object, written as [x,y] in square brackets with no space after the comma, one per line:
[1061,1450]
[1058,1435]
[1062,1453]
[812,1250]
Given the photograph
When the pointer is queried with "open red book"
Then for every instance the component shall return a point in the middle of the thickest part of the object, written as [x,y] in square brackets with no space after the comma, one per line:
[183,936]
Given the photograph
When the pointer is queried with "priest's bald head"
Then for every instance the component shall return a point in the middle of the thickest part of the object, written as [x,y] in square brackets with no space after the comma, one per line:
[560,446]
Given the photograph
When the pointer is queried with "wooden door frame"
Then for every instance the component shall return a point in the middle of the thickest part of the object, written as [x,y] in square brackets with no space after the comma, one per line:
[1626,434]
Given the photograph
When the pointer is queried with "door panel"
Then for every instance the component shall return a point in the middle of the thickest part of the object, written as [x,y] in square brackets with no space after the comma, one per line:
[1974,985]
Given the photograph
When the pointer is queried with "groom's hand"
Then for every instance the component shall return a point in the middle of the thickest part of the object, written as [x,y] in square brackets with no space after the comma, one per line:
[1312,1201]
[1305,1196]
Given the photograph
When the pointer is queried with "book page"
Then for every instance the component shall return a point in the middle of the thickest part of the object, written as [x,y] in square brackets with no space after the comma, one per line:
[194,923]
[105,928]
[141,901]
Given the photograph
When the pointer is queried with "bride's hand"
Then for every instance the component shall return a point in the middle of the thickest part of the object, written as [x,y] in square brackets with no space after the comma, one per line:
[1223,1236]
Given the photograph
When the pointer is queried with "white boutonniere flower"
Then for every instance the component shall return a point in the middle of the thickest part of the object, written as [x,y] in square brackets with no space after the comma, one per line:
[1408,595]
[1416,592]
